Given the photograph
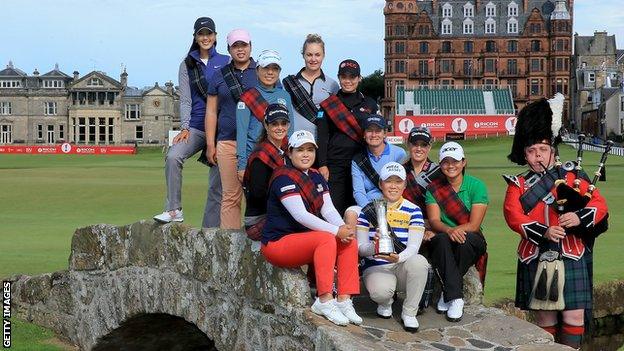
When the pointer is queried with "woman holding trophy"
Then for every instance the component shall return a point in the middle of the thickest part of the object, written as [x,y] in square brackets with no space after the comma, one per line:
[456,206]
[389,232]
[303,228]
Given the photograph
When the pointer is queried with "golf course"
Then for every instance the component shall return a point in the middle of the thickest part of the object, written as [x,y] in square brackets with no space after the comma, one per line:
[44,198]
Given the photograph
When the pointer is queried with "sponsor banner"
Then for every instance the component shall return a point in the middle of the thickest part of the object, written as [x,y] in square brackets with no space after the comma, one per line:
[394,139]
[441,125]
[67,148]
[454,136]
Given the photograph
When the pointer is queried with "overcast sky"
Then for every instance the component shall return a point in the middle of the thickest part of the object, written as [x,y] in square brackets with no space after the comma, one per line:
[150,37]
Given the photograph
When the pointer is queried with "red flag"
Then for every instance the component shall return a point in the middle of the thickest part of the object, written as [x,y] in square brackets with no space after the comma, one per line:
[431,60]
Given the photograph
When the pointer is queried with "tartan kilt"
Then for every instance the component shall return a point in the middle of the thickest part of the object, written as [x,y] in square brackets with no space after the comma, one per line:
[577,291]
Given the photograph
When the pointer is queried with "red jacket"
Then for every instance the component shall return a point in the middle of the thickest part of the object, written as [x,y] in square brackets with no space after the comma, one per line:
[537,221]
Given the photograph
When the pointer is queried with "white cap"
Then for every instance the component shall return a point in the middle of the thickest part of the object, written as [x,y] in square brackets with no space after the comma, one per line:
[452,150]
[301,137]
[392,169]
[268,57]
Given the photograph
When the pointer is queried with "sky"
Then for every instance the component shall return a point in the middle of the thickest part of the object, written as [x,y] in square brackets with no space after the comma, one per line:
[151,37]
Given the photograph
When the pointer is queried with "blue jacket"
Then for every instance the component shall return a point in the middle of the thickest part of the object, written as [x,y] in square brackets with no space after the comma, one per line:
[248,128]
[364,191]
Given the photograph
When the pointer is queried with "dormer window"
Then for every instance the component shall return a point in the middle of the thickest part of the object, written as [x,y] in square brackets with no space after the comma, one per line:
[490,10]
[490,26]
[447,10]
[468,10]
[468,26]
[447,26]
[49,83]
[95,82]
[512,9]
[10,84]
[512,26]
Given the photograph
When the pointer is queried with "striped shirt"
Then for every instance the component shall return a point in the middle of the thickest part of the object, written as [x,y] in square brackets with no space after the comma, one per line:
[403,217]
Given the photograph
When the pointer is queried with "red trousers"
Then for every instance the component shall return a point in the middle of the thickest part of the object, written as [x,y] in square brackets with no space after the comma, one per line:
[325,251]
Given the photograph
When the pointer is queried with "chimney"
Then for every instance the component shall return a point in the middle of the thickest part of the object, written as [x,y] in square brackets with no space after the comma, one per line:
[124,78]
[434,7]
[10,65]
[76,75]
[169,86]
[525,5]
[36,73]
[477,5]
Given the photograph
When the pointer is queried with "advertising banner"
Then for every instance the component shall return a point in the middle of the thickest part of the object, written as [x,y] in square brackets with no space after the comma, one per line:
[442,125]
[67,148]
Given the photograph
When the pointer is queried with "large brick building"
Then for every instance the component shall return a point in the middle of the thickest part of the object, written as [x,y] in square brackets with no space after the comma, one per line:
[522,45]
[94,109]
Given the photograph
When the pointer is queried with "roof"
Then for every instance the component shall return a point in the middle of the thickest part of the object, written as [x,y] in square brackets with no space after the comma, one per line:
[11,71]
[597,44]
[608,92]
[545,7]
[619,56]
[56,72]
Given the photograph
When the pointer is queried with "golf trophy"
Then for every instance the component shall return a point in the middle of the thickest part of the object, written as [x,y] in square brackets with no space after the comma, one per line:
[385,245]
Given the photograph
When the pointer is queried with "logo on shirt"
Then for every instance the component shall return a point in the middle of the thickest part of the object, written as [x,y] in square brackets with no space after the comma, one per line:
[241,105]
[217,66]
[281,101]
[287,188]
[319,188]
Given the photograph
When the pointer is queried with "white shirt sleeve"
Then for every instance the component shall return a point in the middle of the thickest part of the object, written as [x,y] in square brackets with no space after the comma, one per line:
[329,211]
[366,248]
[414,239]
[295,206]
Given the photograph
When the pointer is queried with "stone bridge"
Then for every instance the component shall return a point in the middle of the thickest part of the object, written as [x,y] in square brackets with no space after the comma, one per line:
[146,286]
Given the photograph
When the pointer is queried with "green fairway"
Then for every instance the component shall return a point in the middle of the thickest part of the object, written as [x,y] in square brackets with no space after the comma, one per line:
[45,197]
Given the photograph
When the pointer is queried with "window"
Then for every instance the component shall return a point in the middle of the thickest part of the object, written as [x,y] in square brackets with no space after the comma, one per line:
[447,26]
[389,29]
[535,45]
[490,10]
[423,67]
[39,131]
[536,88]
[399,66]
[622,103]
[424,47]
[468,67]
[447,10]
[6,134]
[536,65]
[5,108]
[133,111]
[512,26]
[560,45]
[10,84]
[399,47]
[490,65]
[49,83]
[102,130]
[512,46]
[560,64]
[95,82]
[49,108]
[468,46]
[512,9]
[446,66]
[535,27]
[490,26]
[591,77]
[468,26]
[446,46]
[512,66]
[61,131]
[91,130]
[423,83]
[559,85]
[490,46]
[138,132]
[423,30]
[399,29]
[111,135]
[468,10]
[513,84]
[50,135]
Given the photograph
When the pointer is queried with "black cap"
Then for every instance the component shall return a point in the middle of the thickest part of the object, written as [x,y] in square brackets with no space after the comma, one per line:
[376,120]
[275,112]
[350,67]
[419,133]
[204,22]
[533,126]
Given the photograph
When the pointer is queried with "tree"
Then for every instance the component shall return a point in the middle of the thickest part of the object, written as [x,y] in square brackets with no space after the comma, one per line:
[373,85]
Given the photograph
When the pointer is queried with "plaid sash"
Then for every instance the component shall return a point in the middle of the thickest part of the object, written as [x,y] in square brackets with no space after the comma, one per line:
[197,79]
[301,99]
[255,102]
[236,89]
[447,199]
[268,154]
[344,120]
[311,198]
[371,216]
[417,185]
[539,189]
[363,161]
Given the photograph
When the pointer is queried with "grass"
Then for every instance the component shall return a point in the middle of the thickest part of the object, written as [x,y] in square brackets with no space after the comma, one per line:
[27,337]
[44,198]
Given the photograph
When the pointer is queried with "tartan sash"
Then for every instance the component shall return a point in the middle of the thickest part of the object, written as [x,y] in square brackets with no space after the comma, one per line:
[363,161]
[266,152]
[301,99]
[417,185]
[255,102]
[371,216]
[311,198]
[538,189]
[447,199]
[197,79]
[344,120]
[236,89]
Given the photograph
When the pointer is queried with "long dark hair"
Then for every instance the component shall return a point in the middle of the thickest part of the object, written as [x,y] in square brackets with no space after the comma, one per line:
[194,46]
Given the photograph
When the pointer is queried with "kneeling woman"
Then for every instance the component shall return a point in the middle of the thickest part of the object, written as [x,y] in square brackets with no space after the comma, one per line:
[304,228]
[456,206]
[267,156]
[405,269]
